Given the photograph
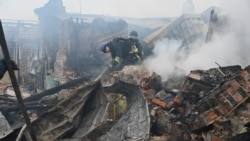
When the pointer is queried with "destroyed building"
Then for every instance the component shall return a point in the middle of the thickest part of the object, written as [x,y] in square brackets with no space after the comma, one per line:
[60,67]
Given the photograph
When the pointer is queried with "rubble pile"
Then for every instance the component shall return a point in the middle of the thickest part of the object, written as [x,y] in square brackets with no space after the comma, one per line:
[210,104]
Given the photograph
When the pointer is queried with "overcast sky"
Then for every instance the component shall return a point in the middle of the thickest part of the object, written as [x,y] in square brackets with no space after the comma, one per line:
[23,9]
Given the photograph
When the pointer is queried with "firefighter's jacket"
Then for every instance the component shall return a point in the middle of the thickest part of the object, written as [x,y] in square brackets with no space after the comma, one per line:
[123,49]
[138,45]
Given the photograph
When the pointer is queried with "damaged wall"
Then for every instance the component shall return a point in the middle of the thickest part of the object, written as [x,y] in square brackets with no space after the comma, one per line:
[79,46]
[61,46]
[23,40]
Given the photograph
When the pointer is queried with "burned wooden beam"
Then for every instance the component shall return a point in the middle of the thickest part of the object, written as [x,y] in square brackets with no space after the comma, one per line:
[6,99]
[54,90]
[37,106]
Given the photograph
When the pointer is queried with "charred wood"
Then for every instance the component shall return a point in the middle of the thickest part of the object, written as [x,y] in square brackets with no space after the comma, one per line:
[54,90]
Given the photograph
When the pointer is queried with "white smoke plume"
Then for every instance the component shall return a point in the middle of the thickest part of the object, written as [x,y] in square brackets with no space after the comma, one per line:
[164,58]
[230,48]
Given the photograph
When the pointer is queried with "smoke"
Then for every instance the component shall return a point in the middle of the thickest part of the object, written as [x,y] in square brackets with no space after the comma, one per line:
[19,10]
[223,50]
[24,9]
[228,48]
[164,58]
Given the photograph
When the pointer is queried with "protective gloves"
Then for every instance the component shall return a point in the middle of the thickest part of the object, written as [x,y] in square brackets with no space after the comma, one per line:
[113,63]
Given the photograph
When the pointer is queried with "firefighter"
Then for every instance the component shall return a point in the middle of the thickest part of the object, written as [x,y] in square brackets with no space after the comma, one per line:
[3,67]
[122,53]
[133,39]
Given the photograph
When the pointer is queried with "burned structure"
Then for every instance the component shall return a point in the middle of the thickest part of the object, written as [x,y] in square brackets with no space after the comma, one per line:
[66,47]
[60,61]
[59,49]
